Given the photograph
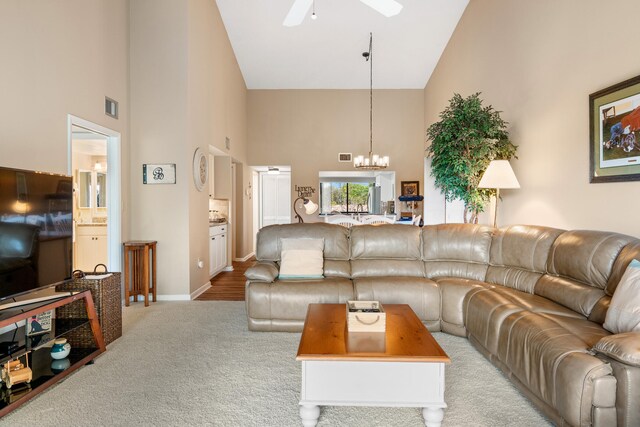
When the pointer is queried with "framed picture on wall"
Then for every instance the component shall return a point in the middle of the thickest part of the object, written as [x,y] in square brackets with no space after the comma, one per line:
[409,188]
[614,133]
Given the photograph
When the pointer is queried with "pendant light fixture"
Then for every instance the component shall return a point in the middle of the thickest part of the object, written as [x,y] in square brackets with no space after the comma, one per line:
[372,161]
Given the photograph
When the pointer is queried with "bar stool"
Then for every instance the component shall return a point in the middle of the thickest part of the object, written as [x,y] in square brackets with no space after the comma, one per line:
[138,279]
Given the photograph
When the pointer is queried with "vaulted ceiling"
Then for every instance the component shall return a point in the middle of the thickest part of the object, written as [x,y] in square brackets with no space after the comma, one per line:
[326,53]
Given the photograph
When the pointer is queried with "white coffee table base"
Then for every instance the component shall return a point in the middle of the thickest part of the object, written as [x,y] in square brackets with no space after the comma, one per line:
[360,383]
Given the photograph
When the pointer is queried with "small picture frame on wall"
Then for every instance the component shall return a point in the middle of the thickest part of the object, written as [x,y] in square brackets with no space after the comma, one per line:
[614,130]
[159,173]
[409,188]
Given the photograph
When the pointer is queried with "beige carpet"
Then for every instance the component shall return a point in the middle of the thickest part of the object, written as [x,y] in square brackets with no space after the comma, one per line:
[195,363]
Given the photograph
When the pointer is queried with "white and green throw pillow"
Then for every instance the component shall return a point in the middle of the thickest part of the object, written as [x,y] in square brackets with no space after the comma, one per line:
[301,259]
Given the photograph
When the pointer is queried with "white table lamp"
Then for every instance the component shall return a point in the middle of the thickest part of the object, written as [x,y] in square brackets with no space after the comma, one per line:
[498,175]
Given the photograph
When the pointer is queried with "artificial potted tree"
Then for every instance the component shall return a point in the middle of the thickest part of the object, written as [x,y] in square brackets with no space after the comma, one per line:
[463,143]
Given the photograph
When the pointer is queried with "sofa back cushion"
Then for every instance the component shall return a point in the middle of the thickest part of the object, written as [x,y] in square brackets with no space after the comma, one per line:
[398,246]
[336,239]
[579,265]
[519,255]
[456,250]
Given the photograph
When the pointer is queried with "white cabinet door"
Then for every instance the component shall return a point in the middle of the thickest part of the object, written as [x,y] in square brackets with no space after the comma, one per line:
[212,255]
[217,249]
[90,247]
[222,260]
[91,251]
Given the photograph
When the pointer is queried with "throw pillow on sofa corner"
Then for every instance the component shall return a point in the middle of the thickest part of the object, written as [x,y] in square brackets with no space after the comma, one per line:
[624,311]
[301,258]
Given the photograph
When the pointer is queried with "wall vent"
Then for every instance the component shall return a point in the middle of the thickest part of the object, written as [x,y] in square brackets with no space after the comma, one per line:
[110,107]
[344,157]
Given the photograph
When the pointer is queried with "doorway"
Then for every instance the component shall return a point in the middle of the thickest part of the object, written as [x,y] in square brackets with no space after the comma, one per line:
[95,166]
[274,195]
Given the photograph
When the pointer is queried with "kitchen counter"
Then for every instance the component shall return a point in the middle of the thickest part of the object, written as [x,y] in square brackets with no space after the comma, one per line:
[91,224]
[214,224]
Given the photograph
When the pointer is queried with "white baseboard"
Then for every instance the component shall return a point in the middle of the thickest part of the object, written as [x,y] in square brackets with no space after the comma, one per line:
[245,259]
[176,297]
[195,294]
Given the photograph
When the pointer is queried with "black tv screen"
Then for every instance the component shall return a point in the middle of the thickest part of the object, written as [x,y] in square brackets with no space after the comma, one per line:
[36,230]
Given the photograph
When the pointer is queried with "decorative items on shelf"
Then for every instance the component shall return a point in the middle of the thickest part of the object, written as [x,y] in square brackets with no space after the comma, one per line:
[61,349]
[39,323]
[15,372]
[59,365]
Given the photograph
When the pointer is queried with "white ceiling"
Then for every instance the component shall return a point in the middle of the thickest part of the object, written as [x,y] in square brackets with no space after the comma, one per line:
[326,53]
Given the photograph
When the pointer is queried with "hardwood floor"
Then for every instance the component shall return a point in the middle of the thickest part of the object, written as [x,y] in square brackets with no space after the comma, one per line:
[228,285]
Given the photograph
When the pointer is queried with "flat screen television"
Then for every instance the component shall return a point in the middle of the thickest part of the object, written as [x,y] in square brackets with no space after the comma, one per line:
[36,230]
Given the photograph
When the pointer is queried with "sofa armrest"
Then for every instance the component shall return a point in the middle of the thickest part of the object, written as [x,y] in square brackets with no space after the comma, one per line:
[624,347]
[263,271]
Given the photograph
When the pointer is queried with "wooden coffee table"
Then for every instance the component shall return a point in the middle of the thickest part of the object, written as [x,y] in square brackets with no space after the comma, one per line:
[403,367]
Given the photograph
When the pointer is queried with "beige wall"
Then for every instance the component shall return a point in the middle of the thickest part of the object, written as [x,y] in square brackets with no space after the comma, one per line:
[538,61]
[51,67]
[187,92]
[308,128]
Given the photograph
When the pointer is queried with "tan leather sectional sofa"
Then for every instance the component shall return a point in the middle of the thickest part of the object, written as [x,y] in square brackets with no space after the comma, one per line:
[531,299]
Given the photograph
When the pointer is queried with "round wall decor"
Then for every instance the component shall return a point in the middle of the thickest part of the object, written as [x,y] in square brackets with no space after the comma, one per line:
[200,169]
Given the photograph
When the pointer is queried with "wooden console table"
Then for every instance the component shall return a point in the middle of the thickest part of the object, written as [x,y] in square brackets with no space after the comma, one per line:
[32,346]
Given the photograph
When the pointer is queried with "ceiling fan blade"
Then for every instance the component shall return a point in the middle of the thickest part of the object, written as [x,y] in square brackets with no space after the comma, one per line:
[297,13]
[386,7]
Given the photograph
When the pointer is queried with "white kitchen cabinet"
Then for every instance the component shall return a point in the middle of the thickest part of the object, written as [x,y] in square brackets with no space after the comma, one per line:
[217,248]
[90,247]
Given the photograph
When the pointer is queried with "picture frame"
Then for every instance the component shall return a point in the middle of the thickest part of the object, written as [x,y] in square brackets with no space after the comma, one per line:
[159,173]
[39,323]
[409,188]
[614,133]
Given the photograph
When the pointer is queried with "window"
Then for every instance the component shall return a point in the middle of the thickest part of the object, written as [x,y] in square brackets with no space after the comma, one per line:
[344,197]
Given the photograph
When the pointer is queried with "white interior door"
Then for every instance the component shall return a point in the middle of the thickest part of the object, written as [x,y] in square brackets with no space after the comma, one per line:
[275,199]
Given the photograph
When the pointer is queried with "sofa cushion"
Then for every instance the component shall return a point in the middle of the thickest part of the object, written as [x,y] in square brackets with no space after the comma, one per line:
[624,311]
[388,267]
[486,310]
[586,256]
[387,241]
[456,250]
[337,268]
[287,300]
[452,293]
[553,362]
[301,258]
[336,239]
[624,347]
[519,255]
[580,263]
[421,294]
[262,271]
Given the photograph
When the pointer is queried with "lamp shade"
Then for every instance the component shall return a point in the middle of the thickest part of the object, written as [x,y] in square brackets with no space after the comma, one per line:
[310,208]
[499,175]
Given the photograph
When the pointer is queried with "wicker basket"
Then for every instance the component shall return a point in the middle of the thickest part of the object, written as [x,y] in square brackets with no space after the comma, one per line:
[106,294]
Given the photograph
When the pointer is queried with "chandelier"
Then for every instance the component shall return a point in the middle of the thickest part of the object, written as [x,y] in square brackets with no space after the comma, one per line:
[372,161]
